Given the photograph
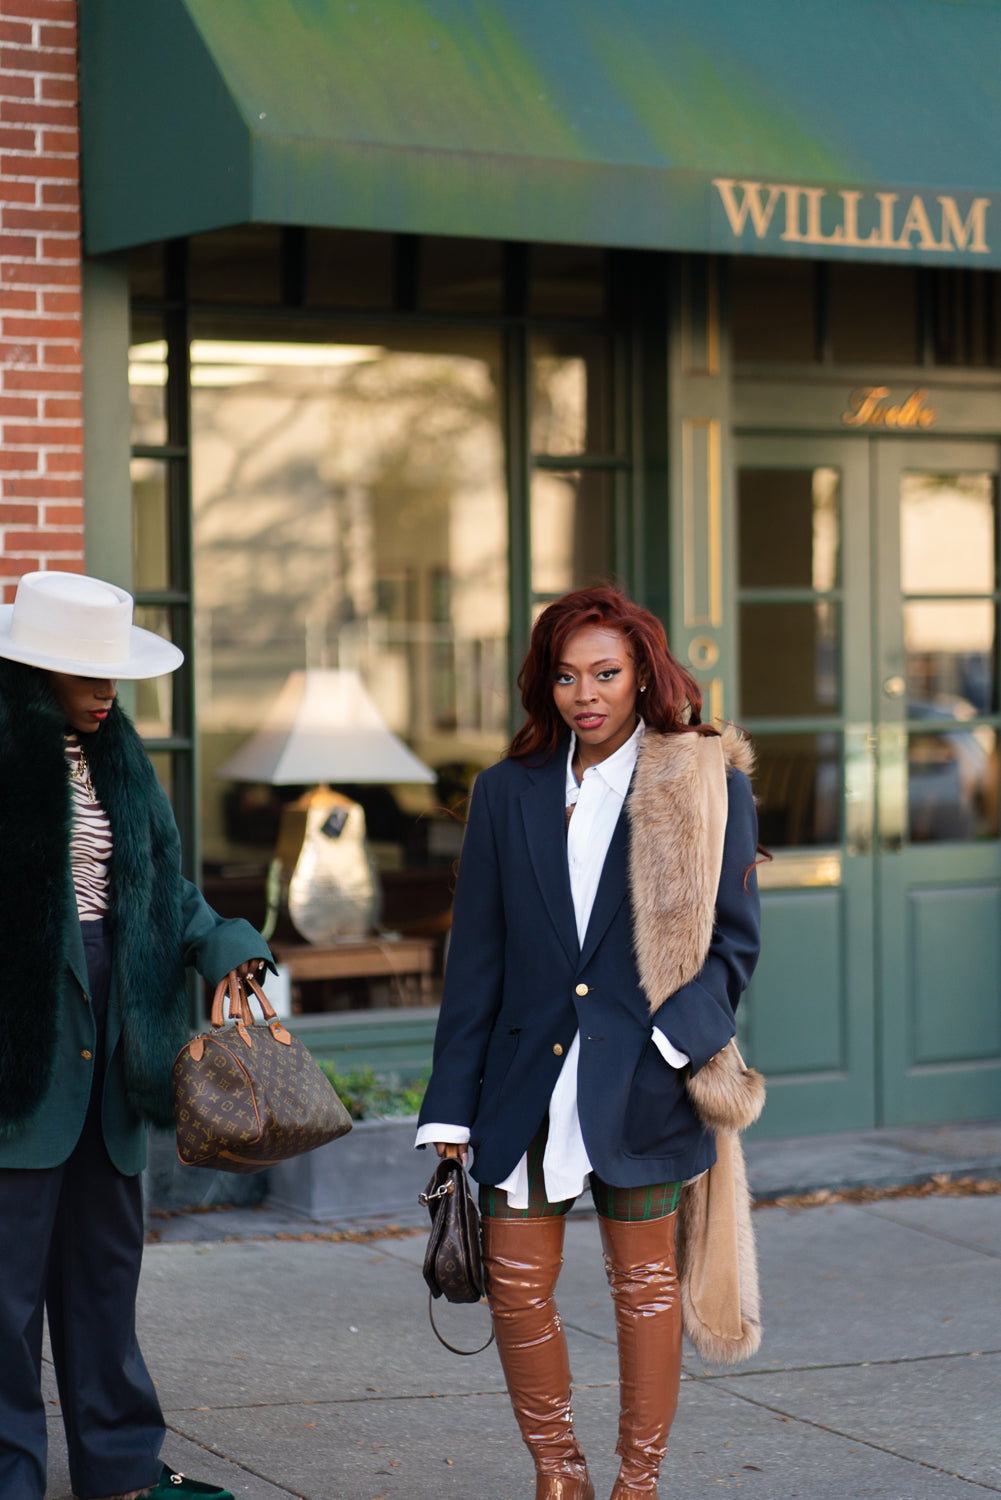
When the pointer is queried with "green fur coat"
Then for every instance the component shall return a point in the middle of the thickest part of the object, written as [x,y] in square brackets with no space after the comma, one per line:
[158,921]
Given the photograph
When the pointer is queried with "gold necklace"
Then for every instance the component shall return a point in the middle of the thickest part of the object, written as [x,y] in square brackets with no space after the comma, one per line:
[80,771]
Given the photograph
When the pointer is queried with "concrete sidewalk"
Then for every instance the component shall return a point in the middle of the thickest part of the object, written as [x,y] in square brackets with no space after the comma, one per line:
[305,1367]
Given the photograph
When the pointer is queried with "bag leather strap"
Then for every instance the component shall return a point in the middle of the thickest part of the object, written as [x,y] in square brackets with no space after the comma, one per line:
[451,1347]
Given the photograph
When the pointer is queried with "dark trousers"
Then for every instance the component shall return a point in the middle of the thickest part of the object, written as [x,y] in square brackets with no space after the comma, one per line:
[71,1244]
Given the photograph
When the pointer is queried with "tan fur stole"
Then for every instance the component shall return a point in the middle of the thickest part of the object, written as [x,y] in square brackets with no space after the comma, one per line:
[677,811]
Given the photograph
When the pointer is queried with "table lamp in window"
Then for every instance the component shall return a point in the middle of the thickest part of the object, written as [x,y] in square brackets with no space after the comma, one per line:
[323,728]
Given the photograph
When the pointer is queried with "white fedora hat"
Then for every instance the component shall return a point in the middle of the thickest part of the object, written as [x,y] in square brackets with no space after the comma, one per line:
[67,622]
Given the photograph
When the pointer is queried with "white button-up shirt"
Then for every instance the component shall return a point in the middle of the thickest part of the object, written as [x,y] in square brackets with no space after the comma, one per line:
[597,804]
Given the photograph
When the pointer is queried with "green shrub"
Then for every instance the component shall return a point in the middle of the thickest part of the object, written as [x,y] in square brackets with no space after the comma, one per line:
[370,1096]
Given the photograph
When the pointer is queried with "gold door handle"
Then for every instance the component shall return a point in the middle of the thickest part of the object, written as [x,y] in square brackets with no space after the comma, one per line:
[894,687]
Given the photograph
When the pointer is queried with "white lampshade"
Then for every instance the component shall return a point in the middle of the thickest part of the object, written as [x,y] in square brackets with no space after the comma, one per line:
[324,727]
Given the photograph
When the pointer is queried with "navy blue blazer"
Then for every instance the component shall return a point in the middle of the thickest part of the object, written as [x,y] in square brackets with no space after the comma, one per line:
[518,986]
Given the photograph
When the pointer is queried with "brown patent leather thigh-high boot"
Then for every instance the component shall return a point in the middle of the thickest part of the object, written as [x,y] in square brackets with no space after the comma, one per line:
[640,1266]
[522,1259]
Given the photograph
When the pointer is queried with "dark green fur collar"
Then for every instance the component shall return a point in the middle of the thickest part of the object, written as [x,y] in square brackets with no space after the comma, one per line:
[36,899]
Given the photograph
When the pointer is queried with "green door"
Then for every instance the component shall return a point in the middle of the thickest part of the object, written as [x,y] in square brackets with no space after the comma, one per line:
[935,702]
[865,602]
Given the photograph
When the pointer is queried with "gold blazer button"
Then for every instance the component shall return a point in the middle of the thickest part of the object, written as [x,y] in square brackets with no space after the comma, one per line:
[582,989]
[86,1055]
[558,1050]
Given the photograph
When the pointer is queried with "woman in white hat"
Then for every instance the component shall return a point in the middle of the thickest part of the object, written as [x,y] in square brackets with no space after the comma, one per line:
[98,928]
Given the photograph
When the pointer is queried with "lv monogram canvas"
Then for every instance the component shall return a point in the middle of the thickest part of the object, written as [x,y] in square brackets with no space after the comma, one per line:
[249,1096]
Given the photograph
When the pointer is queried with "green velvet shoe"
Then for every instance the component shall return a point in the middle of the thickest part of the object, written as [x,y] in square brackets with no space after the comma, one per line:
[172,1483]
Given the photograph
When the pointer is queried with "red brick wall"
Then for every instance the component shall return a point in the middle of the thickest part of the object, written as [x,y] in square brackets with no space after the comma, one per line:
[41,438]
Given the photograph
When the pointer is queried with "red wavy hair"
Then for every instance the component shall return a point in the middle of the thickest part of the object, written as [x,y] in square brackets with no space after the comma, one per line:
[671,704]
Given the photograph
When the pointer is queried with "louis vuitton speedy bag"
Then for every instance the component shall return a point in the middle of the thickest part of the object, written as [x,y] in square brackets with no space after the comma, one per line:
[247,1096]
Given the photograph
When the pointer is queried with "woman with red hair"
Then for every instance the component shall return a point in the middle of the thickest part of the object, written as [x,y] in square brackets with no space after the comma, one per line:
[605,924]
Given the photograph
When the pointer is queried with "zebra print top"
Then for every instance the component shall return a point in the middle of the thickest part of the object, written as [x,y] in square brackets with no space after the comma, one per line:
[90,838]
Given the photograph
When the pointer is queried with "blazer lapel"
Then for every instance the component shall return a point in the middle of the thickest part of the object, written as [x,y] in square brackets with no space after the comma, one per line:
[73,944]
[612,887]
[543,809]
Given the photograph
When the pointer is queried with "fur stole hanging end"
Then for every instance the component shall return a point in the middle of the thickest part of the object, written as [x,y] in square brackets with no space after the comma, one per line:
[678,811]
[717,1260]
[725,1093]
[717,1257]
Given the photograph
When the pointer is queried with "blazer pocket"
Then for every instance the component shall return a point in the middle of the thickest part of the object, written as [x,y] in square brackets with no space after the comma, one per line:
[657,1112]
[501,1051]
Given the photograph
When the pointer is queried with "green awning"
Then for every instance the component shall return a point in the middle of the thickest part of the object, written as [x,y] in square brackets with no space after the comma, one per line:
[859,129]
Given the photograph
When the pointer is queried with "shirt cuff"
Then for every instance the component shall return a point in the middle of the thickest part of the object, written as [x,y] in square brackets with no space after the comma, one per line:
[668,1051]
[453,1135]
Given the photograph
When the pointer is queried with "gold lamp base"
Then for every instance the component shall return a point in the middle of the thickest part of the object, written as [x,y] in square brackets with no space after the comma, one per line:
[322,873]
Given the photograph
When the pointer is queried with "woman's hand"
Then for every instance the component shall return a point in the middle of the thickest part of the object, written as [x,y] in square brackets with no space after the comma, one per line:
[251,968]
[449,1148]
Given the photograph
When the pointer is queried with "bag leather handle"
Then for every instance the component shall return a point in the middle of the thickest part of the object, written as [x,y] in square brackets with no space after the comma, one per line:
[267,1009]
[229,988]
[234,987]
[278,1031]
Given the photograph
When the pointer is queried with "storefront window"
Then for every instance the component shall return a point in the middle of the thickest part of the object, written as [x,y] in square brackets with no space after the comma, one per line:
[797,784]
[790,619]
[948,557]
[952,785]
[572,526]
[790,659]
[150,525]
[349,510]
[571,394]
[948,578]
[154,700]
[148,382]
[947,533]
[789,528]
[163,765]
[341,498]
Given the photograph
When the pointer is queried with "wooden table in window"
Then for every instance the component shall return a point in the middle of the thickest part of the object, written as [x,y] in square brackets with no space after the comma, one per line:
[408,960]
